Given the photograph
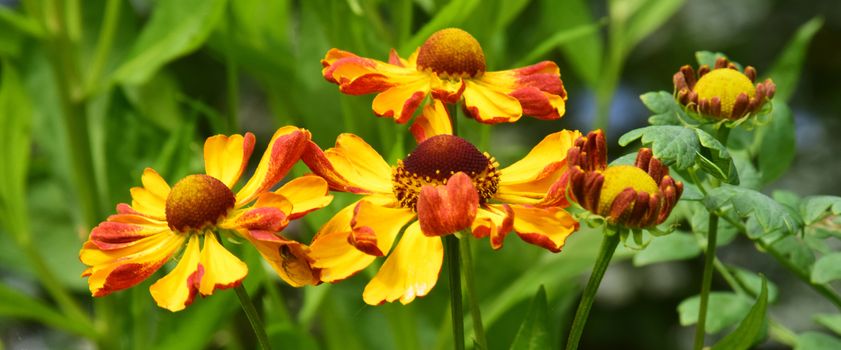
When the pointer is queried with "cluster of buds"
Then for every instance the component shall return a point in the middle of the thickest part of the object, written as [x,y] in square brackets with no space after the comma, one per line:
[722,92]
[634,196]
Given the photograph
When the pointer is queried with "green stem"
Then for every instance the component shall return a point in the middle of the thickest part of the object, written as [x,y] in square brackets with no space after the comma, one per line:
[470,287]
[452,252]
[609,243]
[104,43]
[253,317]
[709,258]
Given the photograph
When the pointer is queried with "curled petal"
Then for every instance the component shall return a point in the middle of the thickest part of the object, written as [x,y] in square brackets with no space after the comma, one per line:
[267,214]
[331,251]
[176,290]
[225,157]
[434,120]
[402,100]
[289,259]
[284,150]
[410,271]
[375,227]
[545,227]
[490,104]
[494,221]
[306,193]
[446,209]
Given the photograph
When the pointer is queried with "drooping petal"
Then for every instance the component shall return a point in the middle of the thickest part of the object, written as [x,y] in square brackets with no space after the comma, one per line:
[489,104]
[545,227]
[176,290]
[123,230]
[284,150]
[402,100]
[544,159]
[446,209]
[538,88]
[306,193]
[222,269]
[123,267]
[331,251]
[494,221]
[375,227]
[288,258]
[225,157]
[410,271]
[351,166]
[434,120]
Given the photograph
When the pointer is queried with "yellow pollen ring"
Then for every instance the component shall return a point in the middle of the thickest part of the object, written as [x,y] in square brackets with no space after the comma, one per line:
[197,201]
[619,177]
[407,185]
[726,84]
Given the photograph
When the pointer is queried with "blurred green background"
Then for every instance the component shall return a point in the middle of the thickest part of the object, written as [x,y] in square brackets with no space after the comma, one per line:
[94,91]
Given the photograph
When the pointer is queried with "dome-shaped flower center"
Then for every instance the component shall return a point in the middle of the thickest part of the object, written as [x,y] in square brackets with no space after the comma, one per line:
[197,201]
[452,52]
[726,84]
[435,160]
[619,177]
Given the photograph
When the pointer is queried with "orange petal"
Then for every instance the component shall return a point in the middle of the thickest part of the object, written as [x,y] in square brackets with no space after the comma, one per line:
[288,258]
[306,193]
[225,157]
[434,120]
[123,230]
[410,271]
[538,88]
[402,100]
[123,267]
[222,269]
[284,150]
[176,290]
[375,227]
[490,104]
[446,209]
[494,221]
[545,227]
[267,214]
[543,160]
[331,251]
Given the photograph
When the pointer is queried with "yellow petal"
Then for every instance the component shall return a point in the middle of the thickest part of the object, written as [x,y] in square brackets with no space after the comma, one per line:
[148,203]
[542,160]
[306,193]
[545,227]
[288,258]
[401,100]
[284,150]
[382,223]
[434,120]
[331,251]
[225,157]
[154,183]
[489,104]
[410,271]
[360,164]
[176,290]
[221,268]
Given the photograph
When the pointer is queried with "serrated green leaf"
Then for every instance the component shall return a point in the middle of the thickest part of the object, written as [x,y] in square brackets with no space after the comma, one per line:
[759,210]
[665,108]
[533,333]
[777,143]
[786,70]
[674,246]
[815,208]
[831,321]
[827,268]
[724,310]
[673,145]
[721,163]
[175,29]
[750,329]
[816,341]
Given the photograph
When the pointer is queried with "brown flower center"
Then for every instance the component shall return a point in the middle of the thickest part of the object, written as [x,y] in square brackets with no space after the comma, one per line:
[435,160]
[452,52]
[197,201]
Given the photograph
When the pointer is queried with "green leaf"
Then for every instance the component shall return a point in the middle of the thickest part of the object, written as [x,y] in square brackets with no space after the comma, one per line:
[175,29]
[663,104]
[816,341]
[777,143]
[750,330]
[674,145]
[15,134]
[827,268]
[708,58]
[786,70]
[721,165]
[761,212]
[793,249]
[754,282]
[584,53]
[640,18]
[724,310]
[674,246]
[533,333]
[831,321]
[816,208]
[18,305]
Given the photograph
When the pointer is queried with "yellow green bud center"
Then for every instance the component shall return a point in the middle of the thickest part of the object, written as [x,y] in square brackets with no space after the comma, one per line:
[197,201]
[726,84]
[452,52]
[619,177]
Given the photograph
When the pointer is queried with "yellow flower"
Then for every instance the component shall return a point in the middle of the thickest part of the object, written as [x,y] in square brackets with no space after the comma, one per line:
[638,196]
[131,245]
[723,92]
[450,66]
[443,186]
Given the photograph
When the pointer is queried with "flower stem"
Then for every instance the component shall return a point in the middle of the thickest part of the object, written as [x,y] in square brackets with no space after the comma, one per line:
[453,266]
[609,243]
[709,258]
[253,317]
[470,287]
